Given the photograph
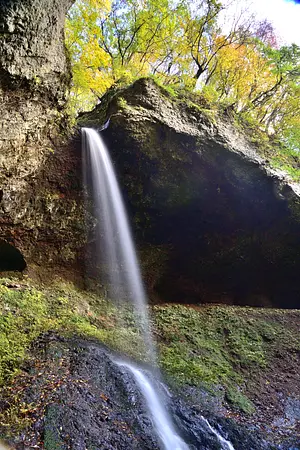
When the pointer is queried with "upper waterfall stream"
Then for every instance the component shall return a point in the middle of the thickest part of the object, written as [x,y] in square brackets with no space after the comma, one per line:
[123,272]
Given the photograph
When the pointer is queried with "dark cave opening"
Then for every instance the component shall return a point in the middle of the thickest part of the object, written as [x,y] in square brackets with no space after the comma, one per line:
[230,230]
[229,248]
[11,259]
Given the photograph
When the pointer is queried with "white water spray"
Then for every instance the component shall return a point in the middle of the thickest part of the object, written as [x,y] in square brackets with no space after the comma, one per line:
[123,269]
[161,420]
[226,445]
[117,245]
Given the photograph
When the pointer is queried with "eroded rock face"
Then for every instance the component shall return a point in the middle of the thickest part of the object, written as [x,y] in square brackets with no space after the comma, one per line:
[39,204]
[226,225]
[32,42]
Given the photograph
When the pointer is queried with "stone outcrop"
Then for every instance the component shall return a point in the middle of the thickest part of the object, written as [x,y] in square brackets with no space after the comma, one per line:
[39,212]
[214,222]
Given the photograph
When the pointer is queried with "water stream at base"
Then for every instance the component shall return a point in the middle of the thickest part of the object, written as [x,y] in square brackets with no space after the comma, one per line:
[124,276]
[162,422]
[226,445]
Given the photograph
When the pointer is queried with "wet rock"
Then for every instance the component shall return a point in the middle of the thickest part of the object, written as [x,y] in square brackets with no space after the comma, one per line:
[91,402]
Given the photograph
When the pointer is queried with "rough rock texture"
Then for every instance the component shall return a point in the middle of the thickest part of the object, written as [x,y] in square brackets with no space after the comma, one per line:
[81,399]
[32,42]
[38,172]
[225,225]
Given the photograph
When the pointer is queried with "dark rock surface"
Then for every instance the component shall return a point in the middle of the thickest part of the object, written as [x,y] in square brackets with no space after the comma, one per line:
[82,400]
[224,224]
[40,209]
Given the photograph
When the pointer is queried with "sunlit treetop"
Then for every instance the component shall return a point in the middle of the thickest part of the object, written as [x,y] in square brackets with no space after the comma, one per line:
[182,43]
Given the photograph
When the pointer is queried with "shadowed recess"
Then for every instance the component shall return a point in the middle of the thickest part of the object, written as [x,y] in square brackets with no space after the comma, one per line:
[11,259]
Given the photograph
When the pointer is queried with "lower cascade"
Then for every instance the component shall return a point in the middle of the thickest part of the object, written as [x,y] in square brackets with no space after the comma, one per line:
[161,419]
[123,273]
[225,444]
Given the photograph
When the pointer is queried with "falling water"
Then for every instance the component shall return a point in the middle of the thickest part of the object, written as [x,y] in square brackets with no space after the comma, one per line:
[116,242]
[162,422]
[123,269]
[225,444]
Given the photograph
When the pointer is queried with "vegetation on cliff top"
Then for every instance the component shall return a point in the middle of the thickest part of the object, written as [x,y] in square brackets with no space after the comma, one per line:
[183,45]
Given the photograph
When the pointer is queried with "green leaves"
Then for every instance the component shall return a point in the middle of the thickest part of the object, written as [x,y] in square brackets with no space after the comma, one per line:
[126,40]
[181,43]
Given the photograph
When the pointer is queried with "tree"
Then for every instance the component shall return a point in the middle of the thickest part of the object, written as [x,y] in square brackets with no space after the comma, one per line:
[176,41]
[82,31]
[181,43]
[262,82]
[118,41]
[284,65]
[265,32]
[204,38]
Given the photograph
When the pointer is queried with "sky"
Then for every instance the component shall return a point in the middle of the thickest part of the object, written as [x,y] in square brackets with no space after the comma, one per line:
[283,14]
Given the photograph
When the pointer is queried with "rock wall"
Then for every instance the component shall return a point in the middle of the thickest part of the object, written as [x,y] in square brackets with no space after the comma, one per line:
[225,225]
[40,195]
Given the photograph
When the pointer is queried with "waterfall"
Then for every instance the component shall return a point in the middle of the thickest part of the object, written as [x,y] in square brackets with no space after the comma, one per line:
[225,444]
[123,270]
[117,248]
[160,417]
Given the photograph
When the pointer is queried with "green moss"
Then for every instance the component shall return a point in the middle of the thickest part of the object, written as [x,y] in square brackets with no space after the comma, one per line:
[122,102]
[209,113]
[219,345]
[279,163]
[23,316]
[26,312]
[274,148]
[52,440]
[169,90]
[205,346]
[238,400]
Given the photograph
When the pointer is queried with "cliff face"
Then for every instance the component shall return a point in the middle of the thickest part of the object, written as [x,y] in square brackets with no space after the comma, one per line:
[38,172]
[213,222]
[32,43]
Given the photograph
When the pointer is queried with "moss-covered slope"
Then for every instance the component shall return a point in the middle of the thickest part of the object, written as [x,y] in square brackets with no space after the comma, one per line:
[237,362]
